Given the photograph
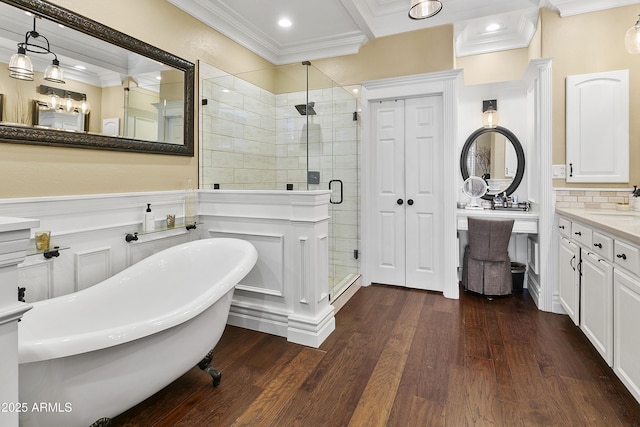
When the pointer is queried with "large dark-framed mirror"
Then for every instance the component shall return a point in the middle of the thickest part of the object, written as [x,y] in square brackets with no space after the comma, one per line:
[495,155]
[170,121]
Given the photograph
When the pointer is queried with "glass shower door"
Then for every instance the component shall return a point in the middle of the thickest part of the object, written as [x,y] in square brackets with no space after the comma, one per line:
[344,202]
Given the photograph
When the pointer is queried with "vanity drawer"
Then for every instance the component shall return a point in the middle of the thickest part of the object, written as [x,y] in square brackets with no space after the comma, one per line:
[602,245]
[581,234]
[627,256]
[564,225]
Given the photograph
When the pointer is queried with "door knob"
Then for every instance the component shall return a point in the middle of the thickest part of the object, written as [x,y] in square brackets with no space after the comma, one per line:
[410,202]
[399,201]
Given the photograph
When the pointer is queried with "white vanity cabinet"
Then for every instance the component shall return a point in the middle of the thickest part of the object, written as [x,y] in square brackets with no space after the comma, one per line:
[596,303]
[597,110]
[626,336]
[569,280]
[585,286]
[599,287]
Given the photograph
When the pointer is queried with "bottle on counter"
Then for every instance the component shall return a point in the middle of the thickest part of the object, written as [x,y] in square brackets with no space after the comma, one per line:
[149,222]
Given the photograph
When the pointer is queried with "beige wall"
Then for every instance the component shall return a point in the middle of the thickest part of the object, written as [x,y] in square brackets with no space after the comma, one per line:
[414,52]
[494,67]
[590,43]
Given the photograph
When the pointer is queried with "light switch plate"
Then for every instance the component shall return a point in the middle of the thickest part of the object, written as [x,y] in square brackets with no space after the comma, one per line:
[559,171]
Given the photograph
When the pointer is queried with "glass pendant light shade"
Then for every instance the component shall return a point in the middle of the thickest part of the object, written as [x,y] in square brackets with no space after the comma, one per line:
[53,101]
[490,118]
[421,9]
[68,104]
[54,73]
[632,38]
[85,107]
[20,66]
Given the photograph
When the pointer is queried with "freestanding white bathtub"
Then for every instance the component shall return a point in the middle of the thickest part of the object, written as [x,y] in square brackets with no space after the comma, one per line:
[95,353]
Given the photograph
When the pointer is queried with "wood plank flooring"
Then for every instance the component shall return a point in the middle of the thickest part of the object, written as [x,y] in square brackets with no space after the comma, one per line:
[404,357]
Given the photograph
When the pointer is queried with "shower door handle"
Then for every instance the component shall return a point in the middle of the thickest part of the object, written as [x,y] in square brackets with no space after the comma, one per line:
[331,189]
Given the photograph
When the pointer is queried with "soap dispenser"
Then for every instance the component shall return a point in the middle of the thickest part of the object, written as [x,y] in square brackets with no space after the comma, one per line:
[149,222]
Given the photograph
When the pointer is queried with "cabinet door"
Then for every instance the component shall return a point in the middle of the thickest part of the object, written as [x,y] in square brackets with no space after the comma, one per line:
[596,297]
[597,135]
[626,347]
[569,278]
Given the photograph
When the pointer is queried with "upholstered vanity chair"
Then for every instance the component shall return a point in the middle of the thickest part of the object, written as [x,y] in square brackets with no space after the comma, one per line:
[486,267]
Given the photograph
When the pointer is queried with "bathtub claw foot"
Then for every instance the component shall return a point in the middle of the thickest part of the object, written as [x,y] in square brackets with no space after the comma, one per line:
[215,375]
[204,365]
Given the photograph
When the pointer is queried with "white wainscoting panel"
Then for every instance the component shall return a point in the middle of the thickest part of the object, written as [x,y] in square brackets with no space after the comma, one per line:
[152,243]
[267,276]
[304,270]
[37,278]
[92,267]
[323,259]
[533,255]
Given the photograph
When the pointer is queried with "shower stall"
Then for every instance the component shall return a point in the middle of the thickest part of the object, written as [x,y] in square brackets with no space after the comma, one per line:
[287,128]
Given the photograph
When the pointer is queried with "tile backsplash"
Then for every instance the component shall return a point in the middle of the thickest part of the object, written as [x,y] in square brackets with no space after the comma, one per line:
[591,199]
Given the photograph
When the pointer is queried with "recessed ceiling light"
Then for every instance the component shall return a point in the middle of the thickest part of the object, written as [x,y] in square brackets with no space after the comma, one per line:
[493,27]
[79,67]
[284,22]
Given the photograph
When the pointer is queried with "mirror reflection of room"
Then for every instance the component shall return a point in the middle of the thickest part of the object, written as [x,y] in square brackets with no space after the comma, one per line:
[496,161]
[493,157]
[90,85]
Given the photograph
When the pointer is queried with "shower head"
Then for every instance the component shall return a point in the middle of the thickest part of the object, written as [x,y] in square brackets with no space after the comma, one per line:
[306,109]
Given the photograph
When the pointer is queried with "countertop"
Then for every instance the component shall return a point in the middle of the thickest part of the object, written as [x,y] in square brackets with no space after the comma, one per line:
[624,224]
[497,213]
[524,221]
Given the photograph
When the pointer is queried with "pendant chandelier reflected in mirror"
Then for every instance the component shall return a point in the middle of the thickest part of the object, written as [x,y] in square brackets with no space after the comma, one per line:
[422,9]
[632,38]
[20,65]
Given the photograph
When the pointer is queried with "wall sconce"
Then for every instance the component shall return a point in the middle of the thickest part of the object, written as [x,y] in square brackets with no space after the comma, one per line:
[21,67]
[60,99]
[632,38]
[490,115]
[421,9]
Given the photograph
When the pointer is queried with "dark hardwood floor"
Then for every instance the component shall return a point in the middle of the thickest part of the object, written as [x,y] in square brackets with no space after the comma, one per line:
[403,357]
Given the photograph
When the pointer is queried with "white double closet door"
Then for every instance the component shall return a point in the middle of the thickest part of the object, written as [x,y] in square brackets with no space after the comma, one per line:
[407,158]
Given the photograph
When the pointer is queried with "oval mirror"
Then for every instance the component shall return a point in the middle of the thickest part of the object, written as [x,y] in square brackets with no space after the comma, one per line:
[495,155]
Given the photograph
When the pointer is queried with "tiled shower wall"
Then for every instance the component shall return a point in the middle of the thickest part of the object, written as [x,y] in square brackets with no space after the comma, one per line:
[238,135]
